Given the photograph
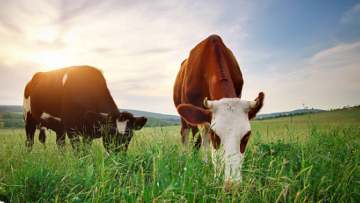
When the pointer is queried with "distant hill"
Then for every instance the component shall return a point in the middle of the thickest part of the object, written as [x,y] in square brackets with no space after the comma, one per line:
[11,108]
[11,115]
[295,112]
[19,109]
[8,120]
[154,119]
[165,117]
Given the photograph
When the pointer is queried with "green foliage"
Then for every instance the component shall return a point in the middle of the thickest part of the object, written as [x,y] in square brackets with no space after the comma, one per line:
[307,161]
[324,168]
[13,123]
[11,120]
[8,115]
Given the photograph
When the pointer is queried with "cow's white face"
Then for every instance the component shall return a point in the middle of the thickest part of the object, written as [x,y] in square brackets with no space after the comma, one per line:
[229,133]
[116,130]
[230,123]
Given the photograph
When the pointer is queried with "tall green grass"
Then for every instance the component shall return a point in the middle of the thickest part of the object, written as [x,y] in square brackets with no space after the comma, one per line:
[319,164]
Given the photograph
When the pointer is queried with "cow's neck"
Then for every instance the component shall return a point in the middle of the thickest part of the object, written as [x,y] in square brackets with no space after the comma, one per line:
[221,86]
[220,83]
[111,108]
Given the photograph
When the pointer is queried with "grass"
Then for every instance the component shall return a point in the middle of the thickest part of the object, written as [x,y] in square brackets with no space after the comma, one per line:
[313,159]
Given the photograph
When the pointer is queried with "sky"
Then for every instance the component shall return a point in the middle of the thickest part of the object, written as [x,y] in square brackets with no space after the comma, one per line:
[299,53]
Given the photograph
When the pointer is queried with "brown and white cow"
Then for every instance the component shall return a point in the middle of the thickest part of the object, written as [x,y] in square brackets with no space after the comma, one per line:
[207,92]
[76,101]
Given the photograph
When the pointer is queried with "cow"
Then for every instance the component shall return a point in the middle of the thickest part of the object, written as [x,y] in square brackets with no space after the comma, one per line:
[76,101]
[207,93]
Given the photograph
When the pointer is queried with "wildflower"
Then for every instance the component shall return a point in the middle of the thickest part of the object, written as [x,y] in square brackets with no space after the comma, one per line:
[185,169]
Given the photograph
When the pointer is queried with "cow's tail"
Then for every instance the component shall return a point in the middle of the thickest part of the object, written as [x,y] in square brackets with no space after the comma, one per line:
[26,102]
[27,90]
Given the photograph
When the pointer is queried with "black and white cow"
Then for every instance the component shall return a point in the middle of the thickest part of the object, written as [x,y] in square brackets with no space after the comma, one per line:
[76,101]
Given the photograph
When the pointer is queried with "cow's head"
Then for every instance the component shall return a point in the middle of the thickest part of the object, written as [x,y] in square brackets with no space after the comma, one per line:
[230,128]
[116,130]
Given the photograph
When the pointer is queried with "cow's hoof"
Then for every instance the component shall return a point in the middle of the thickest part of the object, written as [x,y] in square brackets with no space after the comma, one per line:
[232,187]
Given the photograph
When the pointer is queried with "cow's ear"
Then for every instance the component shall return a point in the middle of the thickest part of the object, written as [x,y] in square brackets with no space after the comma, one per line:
[125,116]
[193,114]
[139,122]
[94,118]
[252,113]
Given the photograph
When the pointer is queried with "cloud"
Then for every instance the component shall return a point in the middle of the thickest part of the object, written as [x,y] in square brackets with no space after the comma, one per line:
[352,16]
[328,79]
[139,45]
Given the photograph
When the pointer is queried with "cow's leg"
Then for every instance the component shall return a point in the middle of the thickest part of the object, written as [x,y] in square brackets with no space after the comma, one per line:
[74,140]
[30,128]
[217,161]
[58,128]
[205,141]
[185,131]
[87,142]
[42,135]
[195,131]
[185,137]
[60,138]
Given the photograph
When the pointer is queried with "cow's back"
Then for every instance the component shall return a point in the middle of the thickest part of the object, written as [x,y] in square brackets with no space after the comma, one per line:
[178,86]
[85,90]
[69,93]
[45,92]
[210,71]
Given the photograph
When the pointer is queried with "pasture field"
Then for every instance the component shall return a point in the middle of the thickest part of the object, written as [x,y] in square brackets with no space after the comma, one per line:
[311,158]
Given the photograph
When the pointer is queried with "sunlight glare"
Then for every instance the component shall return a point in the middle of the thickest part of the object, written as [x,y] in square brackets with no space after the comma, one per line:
[51,59]
[47,34]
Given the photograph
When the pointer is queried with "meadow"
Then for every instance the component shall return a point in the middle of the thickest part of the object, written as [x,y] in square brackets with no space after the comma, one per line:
[307,158]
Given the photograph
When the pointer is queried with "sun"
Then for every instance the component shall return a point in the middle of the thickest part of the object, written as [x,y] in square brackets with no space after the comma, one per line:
[51,60]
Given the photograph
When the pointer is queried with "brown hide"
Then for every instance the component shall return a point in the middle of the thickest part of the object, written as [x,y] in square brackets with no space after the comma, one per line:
[215,139]
[210,71]
[78,100]
[244,141]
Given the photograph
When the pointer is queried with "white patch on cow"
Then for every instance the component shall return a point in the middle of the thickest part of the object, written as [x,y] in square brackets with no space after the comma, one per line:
[46,116]
[64,79]
[230,122]
[105,115]
[26,108]
[121,126]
